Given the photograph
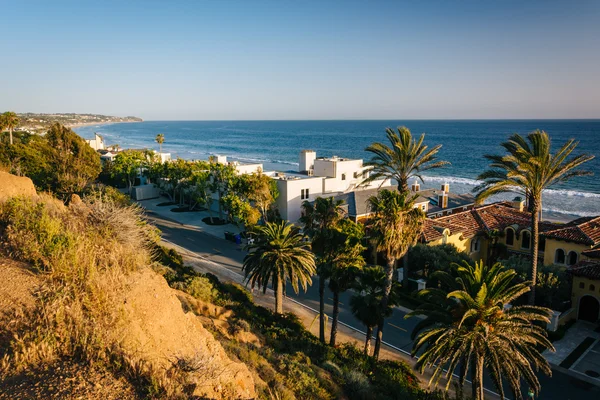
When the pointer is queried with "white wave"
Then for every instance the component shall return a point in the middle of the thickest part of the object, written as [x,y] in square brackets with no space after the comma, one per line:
[262,160]
[473,182]
[578,213]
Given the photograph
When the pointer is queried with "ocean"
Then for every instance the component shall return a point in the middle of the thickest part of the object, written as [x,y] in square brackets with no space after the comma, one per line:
[277,145]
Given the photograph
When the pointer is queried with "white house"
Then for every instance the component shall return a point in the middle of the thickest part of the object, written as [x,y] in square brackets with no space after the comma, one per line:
[319,177]
[97,143]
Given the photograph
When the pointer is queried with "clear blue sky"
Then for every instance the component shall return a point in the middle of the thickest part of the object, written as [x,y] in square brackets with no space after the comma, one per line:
[302,60]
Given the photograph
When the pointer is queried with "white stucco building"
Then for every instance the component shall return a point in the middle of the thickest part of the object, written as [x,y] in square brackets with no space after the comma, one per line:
[319,177]
[97,143]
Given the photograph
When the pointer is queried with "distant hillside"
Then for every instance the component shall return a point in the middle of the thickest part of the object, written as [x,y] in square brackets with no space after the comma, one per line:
[35,122]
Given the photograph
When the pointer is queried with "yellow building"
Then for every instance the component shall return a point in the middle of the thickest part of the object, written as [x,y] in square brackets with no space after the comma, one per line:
[575,245]
[585,297]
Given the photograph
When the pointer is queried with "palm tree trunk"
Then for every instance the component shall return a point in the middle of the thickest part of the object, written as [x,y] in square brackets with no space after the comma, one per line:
[389,274]
[279,295]
[334,322]
[368,340]
[405,270]
[322,309]
[10,131]
[535,216]
[477,383]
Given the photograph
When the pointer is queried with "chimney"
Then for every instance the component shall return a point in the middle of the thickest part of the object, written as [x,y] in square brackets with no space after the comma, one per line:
[443,200]
[307,161]
[446,187]
[518,204]
[415,186]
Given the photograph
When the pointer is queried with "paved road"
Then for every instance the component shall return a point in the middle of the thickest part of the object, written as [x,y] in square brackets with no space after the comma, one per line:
[397,330]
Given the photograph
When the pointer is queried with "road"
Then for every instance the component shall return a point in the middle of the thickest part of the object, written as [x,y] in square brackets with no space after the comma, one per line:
[397,329]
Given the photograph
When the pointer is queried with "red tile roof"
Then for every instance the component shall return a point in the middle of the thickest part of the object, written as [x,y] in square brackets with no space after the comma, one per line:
[583,230]
[592,253]
[586,269]
[484,219]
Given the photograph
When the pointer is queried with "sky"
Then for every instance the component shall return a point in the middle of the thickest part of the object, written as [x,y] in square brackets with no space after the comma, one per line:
[254,60]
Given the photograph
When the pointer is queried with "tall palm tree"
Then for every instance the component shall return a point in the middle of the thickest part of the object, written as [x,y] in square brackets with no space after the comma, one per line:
[318,219]
[528,168]
[470,328]
[345,247]
[11,121]
[396,225]
[404,158]
[160,139]
[366,304]
[279,253]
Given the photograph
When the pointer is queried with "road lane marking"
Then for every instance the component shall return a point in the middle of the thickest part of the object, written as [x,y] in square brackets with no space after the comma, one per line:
[341,304]
[397,327]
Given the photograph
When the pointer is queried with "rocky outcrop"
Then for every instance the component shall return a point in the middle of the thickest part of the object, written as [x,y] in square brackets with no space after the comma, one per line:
[157,329]
[11,185]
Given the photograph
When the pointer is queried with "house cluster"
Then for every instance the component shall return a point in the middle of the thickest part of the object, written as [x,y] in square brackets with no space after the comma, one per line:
[575,245]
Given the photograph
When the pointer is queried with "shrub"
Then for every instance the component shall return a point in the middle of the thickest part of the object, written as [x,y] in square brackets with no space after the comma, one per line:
[357,386]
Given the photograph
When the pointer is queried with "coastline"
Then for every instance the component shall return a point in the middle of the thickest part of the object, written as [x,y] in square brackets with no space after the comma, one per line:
[82,124]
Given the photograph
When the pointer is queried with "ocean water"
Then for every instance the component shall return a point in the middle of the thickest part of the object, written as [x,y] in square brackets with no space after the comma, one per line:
[277,145]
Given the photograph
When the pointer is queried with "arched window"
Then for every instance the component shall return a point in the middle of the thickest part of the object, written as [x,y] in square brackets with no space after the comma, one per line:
[572,258]
[510,236]
[475,244]
[525,240]
[592,288]
[559,256]
[581,285]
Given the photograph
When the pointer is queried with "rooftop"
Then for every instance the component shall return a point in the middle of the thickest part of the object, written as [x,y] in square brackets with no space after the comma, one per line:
[583,230]
[586,269]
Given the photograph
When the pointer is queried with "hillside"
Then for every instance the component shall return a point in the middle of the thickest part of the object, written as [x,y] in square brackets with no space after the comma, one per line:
[34,122]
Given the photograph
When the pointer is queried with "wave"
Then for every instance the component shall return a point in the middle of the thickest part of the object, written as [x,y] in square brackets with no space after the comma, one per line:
[263,160]
[474,182]
[577,213]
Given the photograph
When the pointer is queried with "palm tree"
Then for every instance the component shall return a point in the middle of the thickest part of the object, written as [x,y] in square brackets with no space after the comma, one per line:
[279,253]
[160,139]
[396,225]
[366,305]
[318,219]
[405,158]
[528,168]
[346,260]
[469,327]
[11,121]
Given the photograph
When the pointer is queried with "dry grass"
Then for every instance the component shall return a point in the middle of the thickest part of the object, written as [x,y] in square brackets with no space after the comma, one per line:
[83,251]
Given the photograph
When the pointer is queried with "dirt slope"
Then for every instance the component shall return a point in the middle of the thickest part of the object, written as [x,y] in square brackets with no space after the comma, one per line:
[11,185]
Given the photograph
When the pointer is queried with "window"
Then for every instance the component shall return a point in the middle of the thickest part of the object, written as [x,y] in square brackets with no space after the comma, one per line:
[559,256]
[343,177]
[572,258]
[525,240]
[581,285]
[475,244]
[510,237]
[542,244]
[304,194]
[592,288]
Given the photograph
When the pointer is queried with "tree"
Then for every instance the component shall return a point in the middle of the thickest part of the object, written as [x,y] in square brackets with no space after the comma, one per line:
[318,219]
[222,176]
[396,225]
[405,158]
[278,254]
[129,163]
[366,304]
[74,163]
[346,260]
[262,192]
[160,139]
[467,326]
[10,120]
[528,168]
